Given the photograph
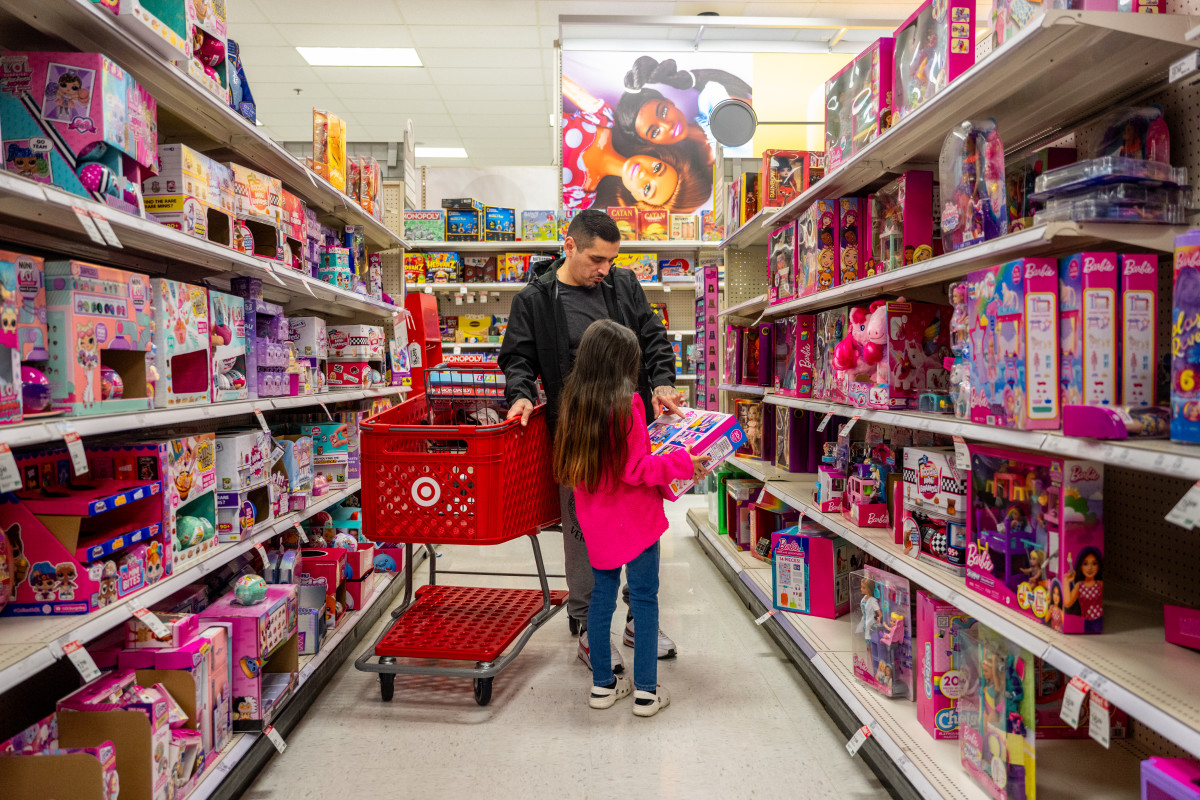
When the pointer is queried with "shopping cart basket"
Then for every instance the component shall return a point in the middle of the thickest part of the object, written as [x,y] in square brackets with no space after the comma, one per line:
[425,483]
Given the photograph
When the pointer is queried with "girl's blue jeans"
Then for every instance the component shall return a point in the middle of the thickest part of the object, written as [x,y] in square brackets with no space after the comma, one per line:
[642,574]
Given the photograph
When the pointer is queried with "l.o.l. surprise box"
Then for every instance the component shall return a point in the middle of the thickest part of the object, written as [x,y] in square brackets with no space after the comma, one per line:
[709,434]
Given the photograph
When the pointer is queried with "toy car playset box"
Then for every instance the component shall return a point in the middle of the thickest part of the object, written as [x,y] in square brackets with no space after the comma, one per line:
[817,248]
[785,174]
[894,352]
[933,520]
[1088,308]
[932,48]
[101,323]
[811,571]
[355,341]
[191,193]
[781,264]
[181,343]
[1035,536]
[901,221]
[858,102]
[80,542]
[227,340]
[80,122]
[264,649]
[499,224]
[1139,329]
[881,618]
[426,225]
[939,678]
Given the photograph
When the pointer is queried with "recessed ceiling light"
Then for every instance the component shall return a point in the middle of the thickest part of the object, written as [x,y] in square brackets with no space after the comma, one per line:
[441,152]
[360,56]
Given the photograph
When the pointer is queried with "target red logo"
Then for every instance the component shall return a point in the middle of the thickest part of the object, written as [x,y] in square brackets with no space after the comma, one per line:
[426,492]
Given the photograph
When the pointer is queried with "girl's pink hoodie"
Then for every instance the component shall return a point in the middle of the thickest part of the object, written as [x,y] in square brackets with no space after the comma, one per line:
[622,518]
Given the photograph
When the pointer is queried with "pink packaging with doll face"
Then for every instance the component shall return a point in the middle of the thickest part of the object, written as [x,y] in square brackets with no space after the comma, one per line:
[1139,328]
[1087,297]
[817,238]
[849,266]
[781,264]
[933,47]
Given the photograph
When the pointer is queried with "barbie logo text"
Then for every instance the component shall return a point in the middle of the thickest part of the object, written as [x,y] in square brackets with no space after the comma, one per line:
[1187,258]
[1040,271]
[980,559]
[1091,264]
[1080,472]
[877,519]
[1138,268]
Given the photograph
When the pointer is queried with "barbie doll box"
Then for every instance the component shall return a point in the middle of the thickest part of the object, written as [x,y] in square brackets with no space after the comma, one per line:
[709,434]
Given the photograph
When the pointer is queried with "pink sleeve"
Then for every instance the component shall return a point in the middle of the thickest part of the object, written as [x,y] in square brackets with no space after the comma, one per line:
[644,469]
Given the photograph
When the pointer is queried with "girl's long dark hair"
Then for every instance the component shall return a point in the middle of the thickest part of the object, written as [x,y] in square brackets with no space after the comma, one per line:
[594,415]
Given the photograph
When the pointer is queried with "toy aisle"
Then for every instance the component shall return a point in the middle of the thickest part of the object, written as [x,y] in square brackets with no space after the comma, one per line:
[919,276]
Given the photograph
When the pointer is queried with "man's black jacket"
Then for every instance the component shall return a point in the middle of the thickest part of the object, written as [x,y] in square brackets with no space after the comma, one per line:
[536,342]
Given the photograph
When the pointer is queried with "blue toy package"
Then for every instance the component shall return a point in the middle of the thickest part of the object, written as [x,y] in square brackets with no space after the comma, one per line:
[499,224]
[240,97]
[463,225]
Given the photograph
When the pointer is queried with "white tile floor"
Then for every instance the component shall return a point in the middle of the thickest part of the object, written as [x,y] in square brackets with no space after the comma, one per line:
[742,723]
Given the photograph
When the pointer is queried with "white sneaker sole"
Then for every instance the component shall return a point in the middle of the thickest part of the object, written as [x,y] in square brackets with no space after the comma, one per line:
[618,666]
[663,652]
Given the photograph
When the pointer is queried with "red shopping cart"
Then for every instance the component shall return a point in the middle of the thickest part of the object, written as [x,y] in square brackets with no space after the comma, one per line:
[445,468]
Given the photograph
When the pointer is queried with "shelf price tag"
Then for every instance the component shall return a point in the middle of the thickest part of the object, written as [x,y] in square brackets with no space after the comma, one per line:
[262,553]
[74,446]
[82,660]
[856,741]
[106,230]
[1186,513]
[962,456]
[275,738]
[1099,725]
[262,421]
[824,423]
[10,476]
[845,431]
[276,454]
[1072,704]
[301,532]
[151,621]
[770,613]
[89,224]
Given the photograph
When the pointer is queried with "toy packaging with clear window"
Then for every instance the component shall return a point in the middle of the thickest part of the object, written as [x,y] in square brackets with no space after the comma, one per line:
[933,47]
[787,173]
[938,673]
[972,184]
[1139,329]
[849,266]
[858,102]
[934,517]
[817,248]
[711,435]
[881,618]
[329,148]
[901,221]
[1087,322]
[781,264]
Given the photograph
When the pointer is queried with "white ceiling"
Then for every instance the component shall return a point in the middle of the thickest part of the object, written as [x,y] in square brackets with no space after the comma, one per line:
[490,73]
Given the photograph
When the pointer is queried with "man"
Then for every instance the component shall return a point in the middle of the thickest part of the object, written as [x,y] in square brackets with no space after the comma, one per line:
[546,322]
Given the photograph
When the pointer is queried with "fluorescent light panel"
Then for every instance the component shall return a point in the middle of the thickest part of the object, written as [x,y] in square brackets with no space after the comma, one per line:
[441,152]
[360,56]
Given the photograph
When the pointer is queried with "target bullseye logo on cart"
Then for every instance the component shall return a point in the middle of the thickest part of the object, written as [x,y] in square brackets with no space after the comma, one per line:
[426,492]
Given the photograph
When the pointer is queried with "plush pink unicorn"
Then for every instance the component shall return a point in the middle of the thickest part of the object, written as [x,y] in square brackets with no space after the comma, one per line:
[863,350]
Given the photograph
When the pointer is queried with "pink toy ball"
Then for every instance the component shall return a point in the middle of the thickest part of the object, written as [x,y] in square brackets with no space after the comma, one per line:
[97,178]
[111,385]
[35,390]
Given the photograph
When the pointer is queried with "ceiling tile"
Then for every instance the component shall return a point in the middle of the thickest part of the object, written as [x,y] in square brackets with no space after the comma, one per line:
[503,132]
[537,109]
[369,106]
[245,12]
[320,12]
[437,135]
[294,76]
[257,35]
[515,77]
[684,8]
[549,10]
[380,133]
[385,91]
[779,9]
[479,12]
[264,56]
[385,76]
[435,57]
[492,92]
[326,34]
[276,92]
[483,36]
[547,36]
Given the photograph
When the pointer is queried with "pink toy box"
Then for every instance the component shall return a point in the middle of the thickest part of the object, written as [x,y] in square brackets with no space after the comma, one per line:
[355,341]
[811,571]
[80,543]
[901,222]
[1139,329]
[933,47]
[858,102]
[933,517]
[192,193]
[1050,685]
[893,352]
[327,567]
[864,502]
[243,489]
[850,225]
[1182,626]
[265,652]
[882,624]
[710,435]
[79,122]
[831,328]
[741,495]
[293,230]
[258,200]
[99,318]
[1035,536]
[781,264]
[227,345]
[795,356]
[938,677]
[817,248]
[829,489]
[1013,329]
[181,628]
[181,343]
[1087,326]
[11,406]
[1170,779]
[31,316]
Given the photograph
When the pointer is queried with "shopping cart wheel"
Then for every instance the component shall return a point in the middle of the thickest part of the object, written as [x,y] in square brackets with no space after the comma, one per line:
[483,691]
[387,686]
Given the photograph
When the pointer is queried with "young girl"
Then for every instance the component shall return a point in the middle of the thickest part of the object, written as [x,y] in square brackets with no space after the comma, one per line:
[602,449]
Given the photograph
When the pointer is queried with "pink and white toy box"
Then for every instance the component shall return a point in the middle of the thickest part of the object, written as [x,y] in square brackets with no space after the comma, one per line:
[265,652]
[817,248]
[933,516]
[711,435]
[937,677]
[828,491]
[190,32]
[293,230]
[932,48]
[893,352]
[31,316]
[794,343]
[181,344]
[257,227]
[1088,307]
[900,229]
[1170,779]
[359,342]
[101,323]
[227,344]
[1139,328]
[79,543]
[858,102]
[79,122]
[243,491]
[811,571]
[192,193]
[882,625]
[11,405]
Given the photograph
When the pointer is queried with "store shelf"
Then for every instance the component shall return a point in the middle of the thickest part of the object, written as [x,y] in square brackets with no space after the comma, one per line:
[43,216]
[685,376]
[1045,79]
[43,430]
[742,389]
[516,286]
[1158,456]
[454,347]
[519,245]
[1059,238]
[1066,769]
[763,220]
[1130,664]
[187,112]
[30,644]
[680,332]
[757,468]
[750,308]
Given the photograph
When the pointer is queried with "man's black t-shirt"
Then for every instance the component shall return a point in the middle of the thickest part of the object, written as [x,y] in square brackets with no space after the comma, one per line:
[582,306]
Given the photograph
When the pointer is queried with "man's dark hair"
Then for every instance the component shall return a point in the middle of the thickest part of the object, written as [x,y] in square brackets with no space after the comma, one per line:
[590,224]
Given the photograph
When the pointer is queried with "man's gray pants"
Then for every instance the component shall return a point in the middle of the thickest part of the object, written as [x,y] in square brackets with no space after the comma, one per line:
[578,568]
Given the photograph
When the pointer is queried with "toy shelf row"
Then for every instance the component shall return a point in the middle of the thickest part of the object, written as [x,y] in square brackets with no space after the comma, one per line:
[30,644]
[1043,80]
[516,286]
[747,308]
[1158,456]
[933,767]
[42,431]
[1131,664]
[743,389]
[187,111]
[41,216]
[1054,239]
[552,246]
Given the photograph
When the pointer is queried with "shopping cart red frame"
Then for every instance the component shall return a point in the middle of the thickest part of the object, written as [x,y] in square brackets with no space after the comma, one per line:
[457,484]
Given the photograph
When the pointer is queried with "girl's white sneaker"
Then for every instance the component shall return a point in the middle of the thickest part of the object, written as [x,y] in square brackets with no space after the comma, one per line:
[605,698]
[657,701]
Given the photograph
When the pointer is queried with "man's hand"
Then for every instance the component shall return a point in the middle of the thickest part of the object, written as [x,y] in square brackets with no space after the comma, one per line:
[522,408]
[667,398]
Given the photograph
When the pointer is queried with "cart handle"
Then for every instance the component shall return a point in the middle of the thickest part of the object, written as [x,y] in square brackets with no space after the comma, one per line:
[445,431]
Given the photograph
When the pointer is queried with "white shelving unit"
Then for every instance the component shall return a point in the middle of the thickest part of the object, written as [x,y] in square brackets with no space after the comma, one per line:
[520,245]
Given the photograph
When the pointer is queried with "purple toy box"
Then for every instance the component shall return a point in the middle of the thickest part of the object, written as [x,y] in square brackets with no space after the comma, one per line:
[1170,779]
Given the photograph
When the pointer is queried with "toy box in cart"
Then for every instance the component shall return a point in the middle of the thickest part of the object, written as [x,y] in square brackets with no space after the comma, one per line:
[710,434]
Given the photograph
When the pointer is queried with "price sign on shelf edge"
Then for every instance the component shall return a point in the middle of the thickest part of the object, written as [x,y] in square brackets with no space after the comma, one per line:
[824,423]
[275,738]
[10,476]
[1099,720]
[151,621]
[856,741]
[1186,513]
[1072,703]
[82,660]
[74,446]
